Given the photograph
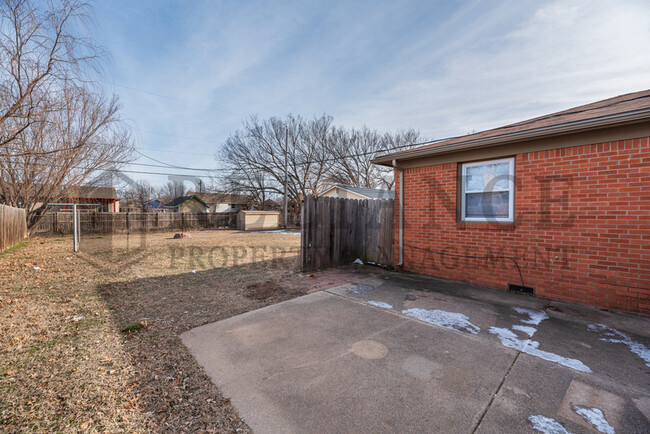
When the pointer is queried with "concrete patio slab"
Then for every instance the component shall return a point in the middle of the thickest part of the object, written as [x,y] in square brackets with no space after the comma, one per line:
[362,357]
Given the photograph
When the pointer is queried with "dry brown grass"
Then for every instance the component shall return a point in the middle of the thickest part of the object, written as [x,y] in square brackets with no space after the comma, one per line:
[89,342]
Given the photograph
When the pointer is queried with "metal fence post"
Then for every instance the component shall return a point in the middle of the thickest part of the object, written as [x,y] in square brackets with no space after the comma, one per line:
[74,228]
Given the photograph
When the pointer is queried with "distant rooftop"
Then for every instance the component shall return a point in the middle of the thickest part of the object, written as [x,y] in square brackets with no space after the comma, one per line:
[89,192]
[370,193]
[182,199]
[227,198]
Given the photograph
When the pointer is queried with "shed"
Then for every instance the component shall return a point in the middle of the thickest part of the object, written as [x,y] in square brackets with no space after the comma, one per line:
[258,220]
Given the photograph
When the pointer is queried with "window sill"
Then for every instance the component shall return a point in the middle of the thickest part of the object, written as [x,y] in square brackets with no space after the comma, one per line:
[497,225]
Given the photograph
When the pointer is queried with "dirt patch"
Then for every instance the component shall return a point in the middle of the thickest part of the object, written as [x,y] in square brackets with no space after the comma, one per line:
[89,342]
[269,291]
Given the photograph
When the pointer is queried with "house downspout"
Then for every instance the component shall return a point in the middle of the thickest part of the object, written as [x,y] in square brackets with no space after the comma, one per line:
[400,261]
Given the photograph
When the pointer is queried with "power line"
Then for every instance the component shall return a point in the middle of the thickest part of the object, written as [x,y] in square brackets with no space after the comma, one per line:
[179,152]
[171,167]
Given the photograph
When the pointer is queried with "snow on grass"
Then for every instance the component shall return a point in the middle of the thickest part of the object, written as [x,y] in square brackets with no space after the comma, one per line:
[450,320]
[280,231]
[381,304]
[509,339]
[536,316]
[617,337]
[595,417]
[547,425]
[358,261]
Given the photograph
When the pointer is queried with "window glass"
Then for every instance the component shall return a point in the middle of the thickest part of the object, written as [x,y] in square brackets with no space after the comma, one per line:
[487,204]
[488,190]
[478,178]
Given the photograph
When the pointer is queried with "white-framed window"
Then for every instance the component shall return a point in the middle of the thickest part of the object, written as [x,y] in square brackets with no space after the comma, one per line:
[488,191]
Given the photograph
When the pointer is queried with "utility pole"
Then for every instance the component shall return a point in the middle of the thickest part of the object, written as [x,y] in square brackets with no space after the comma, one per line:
[286,178]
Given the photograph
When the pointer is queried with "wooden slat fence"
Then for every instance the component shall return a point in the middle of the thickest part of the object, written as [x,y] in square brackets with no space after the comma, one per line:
[13,226]
[336,231]
[127,222]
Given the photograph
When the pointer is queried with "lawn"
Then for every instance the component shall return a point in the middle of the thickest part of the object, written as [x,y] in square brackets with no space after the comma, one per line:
[89,341]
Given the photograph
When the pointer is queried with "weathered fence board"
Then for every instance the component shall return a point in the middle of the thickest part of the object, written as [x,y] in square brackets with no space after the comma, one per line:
[108,223]
[336,231]
[13,226]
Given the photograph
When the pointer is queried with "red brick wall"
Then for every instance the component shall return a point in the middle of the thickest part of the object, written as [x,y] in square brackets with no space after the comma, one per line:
[581,231]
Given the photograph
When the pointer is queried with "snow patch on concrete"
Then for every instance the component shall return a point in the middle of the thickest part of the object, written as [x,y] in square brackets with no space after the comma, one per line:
[530,331]
[617,337]
[510,340]
[536,316]
[547,425]
[381,304]
[359,288]
[595,417]
[450,320]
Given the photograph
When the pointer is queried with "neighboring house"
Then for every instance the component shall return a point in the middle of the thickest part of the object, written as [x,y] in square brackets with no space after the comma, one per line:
[187,204]
[153,205]
[106,197]
[224,202]
[150,206]
[349,192]
[559,204]
[272,205]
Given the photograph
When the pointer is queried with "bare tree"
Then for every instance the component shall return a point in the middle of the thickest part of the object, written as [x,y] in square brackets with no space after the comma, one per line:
[84,135]
[257,156]
[140,193]
[170,191]
[43,50]
[319,155]
[352,152]
[250,183]
[57,129]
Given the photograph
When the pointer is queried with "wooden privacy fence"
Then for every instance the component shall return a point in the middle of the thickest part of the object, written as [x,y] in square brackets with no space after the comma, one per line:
[13,226]
[128,222]
[336,231]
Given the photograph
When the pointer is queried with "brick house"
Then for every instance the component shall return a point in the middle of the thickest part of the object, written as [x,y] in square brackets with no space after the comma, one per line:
[557,206]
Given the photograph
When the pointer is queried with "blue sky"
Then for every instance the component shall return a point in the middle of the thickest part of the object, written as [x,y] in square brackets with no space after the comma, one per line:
[188,73]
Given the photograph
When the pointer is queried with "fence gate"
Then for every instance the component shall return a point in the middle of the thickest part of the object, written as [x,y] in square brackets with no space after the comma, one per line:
[336,231]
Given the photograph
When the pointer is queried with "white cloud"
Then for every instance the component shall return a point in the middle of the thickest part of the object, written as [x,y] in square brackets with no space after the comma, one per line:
[560,55]
[441,68]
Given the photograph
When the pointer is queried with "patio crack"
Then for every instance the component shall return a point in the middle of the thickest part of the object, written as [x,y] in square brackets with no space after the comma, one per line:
[494,395]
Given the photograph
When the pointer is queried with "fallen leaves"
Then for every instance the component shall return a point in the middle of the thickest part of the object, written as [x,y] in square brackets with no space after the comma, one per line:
[82,373]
